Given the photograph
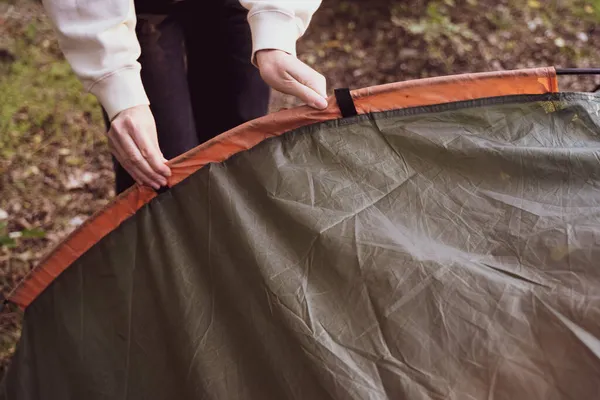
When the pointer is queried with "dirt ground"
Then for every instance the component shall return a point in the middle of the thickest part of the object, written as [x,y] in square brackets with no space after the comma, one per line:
[55,167]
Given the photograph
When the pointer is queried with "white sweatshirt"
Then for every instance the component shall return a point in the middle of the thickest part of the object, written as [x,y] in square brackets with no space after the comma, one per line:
[98,40]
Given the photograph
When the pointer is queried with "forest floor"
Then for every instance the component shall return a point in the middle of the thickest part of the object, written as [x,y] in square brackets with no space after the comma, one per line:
[55,166]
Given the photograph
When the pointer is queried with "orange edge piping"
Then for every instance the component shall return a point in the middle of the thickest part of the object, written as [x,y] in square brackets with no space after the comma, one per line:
[421,92]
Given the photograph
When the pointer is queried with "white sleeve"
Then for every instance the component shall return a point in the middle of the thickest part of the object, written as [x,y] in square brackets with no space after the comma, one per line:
[98,40]
[278,24]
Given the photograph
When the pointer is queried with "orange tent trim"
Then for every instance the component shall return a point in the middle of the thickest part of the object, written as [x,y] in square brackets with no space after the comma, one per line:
[421,92]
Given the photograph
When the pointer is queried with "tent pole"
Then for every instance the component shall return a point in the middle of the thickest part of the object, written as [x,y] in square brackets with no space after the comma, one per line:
[577,71]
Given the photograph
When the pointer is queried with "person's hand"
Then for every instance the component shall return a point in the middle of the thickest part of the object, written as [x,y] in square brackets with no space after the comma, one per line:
[133,141]
[286,74]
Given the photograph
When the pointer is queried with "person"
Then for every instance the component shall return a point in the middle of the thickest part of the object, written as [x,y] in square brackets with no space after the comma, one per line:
[171,74]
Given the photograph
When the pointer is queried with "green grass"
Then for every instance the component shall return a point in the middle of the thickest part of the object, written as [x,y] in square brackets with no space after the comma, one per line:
[587,10]
[40,96]
[45,116]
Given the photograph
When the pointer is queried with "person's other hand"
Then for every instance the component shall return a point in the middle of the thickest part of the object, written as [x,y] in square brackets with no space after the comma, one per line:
[285,73]
[133,141]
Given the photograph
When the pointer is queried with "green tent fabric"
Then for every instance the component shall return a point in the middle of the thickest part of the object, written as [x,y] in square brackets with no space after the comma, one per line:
[444,251]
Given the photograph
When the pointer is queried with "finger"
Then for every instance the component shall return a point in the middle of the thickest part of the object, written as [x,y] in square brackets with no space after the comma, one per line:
[278,76]
[139,176]
[149,150]
[146,141]
[136,161]
[143,179]
[133,158]
[305,93]
[308,77]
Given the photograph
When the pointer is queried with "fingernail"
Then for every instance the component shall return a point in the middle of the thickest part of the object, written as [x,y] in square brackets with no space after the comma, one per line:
[321,103]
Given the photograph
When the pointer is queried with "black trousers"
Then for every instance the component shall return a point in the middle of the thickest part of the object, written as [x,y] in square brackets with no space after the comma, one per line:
[197,73]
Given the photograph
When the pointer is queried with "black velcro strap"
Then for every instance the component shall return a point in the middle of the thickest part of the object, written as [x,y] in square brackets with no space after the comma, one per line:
[345,102]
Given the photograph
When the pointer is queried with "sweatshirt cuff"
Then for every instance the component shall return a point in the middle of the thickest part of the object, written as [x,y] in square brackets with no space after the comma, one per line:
[273,30]
[119,91]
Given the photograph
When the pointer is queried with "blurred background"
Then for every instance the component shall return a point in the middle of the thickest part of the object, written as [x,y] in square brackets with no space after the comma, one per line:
[55,167]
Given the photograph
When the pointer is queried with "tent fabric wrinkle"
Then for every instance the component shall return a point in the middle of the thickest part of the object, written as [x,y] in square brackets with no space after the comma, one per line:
[441,244]
[386,97]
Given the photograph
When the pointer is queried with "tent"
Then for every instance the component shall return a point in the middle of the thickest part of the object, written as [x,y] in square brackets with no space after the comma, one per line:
[429,239]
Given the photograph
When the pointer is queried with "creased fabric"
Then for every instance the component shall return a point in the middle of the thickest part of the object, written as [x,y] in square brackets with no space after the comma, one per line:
[441,252]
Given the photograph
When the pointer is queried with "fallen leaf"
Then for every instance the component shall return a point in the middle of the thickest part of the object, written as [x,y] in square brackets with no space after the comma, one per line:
[72,160]
[582,36]
[76,221]
[34,233]
[408,53]
[79,179]
[87,177]
[32,170]
[332,44]
[534,23]
[417,29]
[23,223]
[7,241]
[25,256]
